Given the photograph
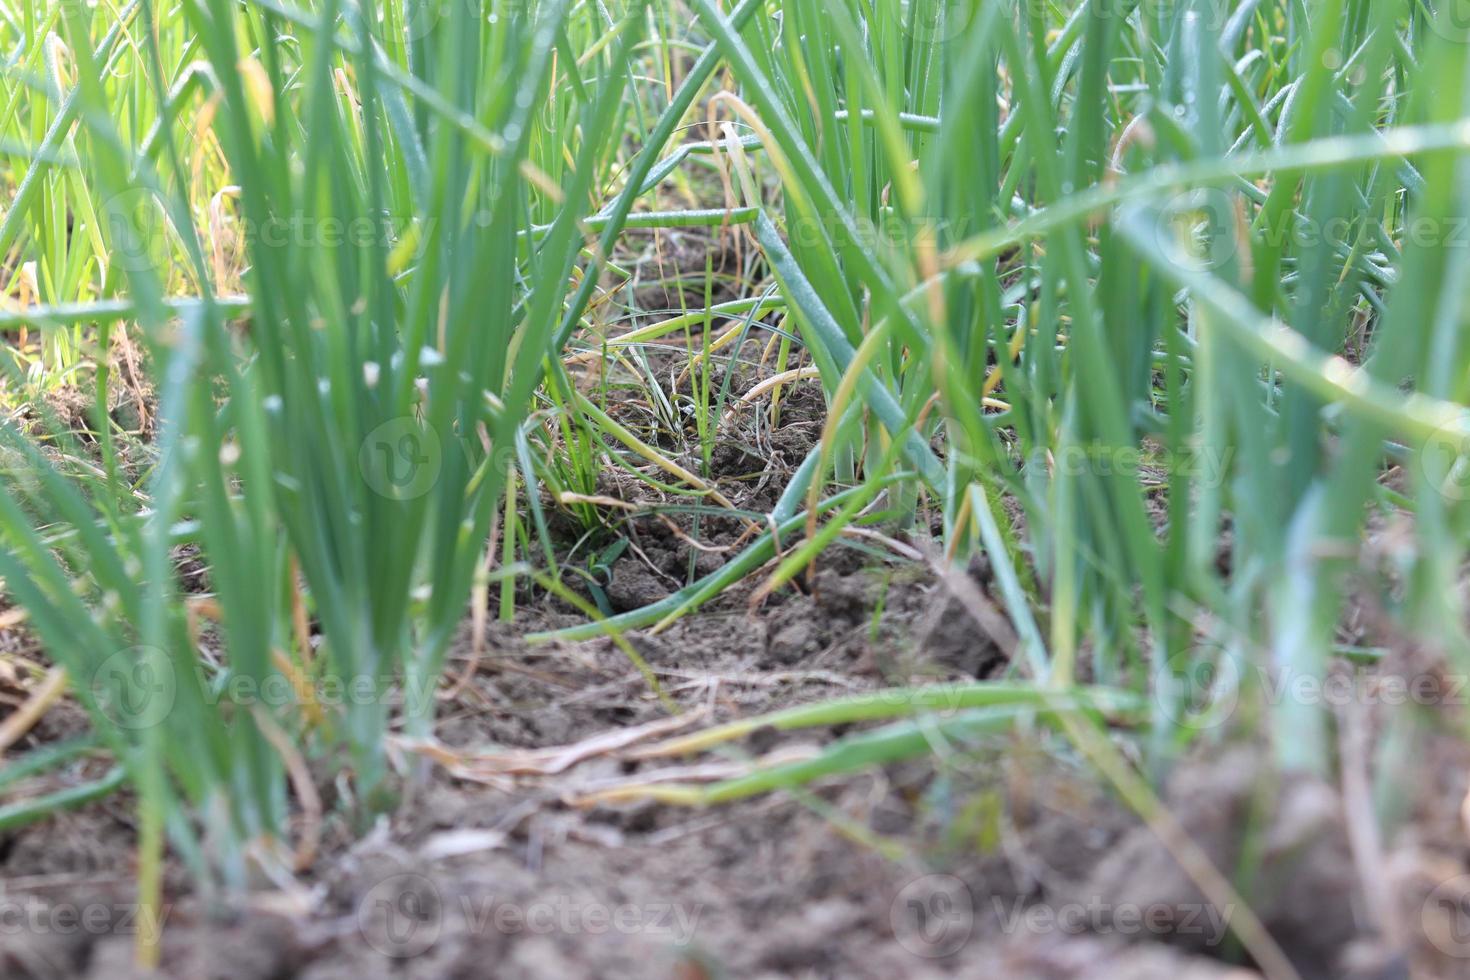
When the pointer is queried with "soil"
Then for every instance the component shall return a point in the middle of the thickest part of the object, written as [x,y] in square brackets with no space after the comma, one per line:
[1010,859]
[1005,857]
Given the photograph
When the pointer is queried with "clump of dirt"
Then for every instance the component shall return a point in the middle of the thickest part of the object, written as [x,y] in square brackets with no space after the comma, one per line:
[1304,888]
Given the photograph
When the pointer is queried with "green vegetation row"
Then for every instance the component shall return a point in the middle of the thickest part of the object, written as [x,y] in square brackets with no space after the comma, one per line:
[1158,306]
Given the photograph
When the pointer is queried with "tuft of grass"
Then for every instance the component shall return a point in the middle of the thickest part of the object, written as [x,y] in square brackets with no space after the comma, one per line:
[358,423]
[1154,236]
